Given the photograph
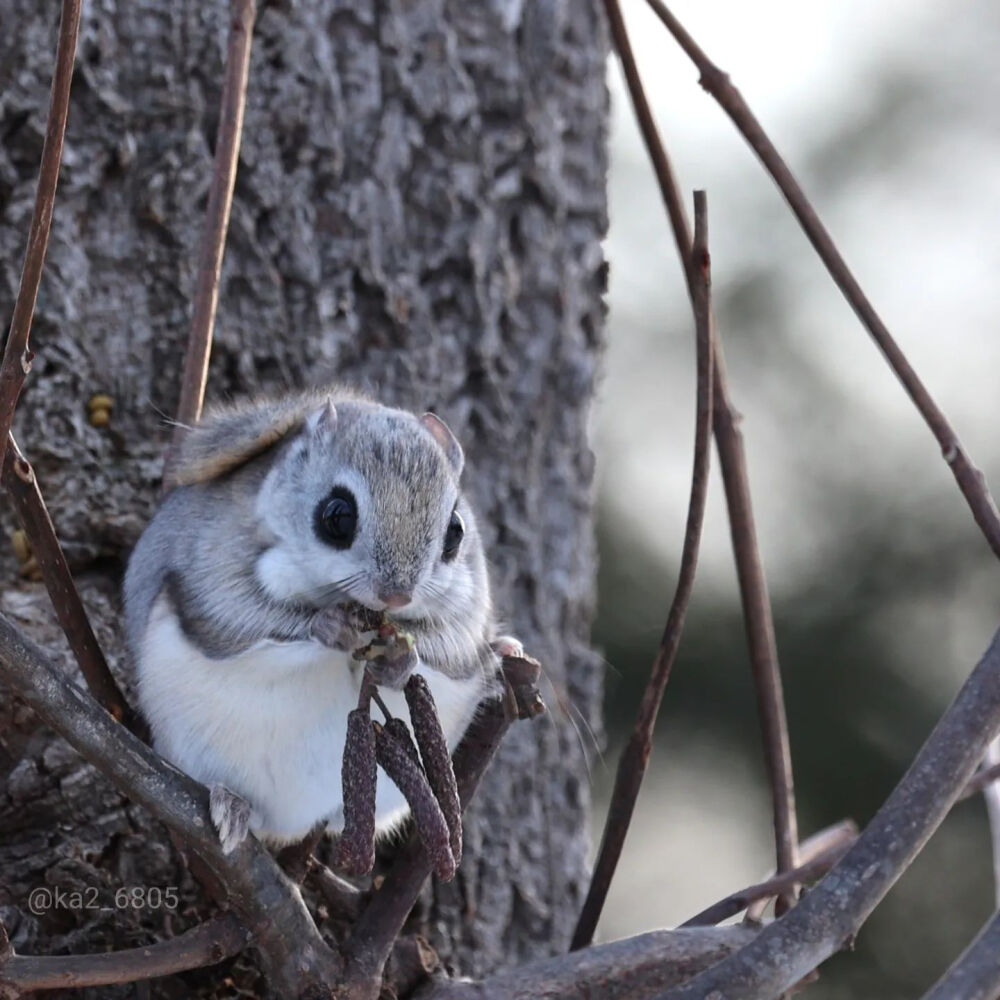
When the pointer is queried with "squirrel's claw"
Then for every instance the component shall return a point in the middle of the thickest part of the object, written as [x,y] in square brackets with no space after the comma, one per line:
[507,645]
[230,816]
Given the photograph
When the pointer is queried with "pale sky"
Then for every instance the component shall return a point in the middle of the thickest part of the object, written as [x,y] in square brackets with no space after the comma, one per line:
[920,231]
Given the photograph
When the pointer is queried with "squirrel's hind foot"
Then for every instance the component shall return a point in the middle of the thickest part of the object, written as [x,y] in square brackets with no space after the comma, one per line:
[230,816]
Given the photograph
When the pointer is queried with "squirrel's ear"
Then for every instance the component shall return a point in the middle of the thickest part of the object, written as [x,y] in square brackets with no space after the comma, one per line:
[323,421]
[229,437]
[444,437]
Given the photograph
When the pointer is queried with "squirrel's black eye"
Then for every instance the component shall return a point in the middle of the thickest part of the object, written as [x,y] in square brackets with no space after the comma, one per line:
[337,519]
[453,537]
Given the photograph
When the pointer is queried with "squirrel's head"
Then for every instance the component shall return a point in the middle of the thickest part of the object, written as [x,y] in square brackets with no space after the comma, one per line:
[363,504]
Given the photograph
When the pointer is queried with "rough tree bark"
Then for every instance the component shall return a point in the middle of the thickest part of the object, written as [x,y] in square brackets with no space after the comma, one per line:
[419,209]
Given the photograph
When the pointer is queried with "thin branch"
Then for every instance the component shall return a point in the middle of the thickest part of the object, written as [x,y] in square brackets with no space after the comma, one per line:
[833,910]
[379,925]
[975,974]
[775,886]
[218,938]
[635,757]
[981,780]
[18,475]
[636,968]
[969,478]
[342,899]
[19,480]
[759,624]
[220,198]
[294,859]
[756,604]
[991,796]
[16,356]
[844,832]
[260,895]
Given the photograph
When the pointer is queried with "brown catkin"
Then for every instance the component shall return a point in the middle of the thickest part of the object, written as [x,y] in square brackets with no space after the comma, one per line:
[399,730]
[356,848]
[427,815]
[436,758]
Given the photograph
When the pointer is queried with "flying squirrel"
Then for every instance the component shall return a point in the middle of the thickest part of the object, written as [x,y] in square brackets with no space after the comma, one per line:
[289,522]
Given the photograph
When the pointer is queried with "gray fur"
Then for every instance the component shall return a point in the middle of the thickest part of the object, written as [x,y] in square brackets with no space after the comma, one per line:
[229,436]
[205,545]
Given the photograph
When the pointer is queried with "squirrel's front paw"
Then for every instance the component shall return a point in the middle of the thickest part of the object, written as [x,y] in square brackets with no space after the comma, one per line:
[390,657]
[340,627]
[230,815]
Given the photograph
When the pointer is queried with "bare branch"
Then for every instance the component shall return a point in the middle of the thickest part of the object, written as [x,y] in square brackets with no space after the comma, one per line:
[759,624]
[991,795]
[975,974]
[220,198]
[981,780]
[969,478]
[636,968]
[635,757]
[342,899]
[844,832]
[833,911]
[260,895]
[739,901]
[732,460]
[207,944]
[16,356]
[18,475]
[19,479]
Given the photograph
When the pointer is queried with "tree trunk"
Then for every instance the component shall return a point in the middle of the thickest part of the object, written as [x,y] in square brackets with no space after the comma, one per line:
[419,208]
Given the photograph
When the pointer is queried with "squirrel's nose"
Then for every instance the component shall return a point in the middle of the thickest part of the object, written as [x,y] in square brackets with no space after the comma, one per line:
[396,600]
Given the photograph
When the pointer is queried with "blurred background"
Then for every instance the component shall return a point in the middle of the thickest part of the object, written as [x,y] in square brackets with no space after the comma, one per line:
[884,593]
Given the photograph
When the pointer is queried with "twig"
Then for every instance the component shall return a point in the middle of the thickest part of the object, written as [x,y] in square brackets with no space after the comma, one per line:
[844,832]
[18,475]
[834,909]
[969,478]
[260,895]
[379,925]
[732,461]
[635,757]
[16,356]
[635,968]
[210,942]
[759,624]
[294,859]
[981,780]
[991,795]
[19,480]
[775,886]
[975,974]
[342,899]
[220,198]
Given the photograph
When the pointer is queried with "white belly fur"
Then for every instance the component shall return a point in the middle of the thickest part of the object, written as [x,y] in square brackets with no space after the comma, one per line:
[269,724]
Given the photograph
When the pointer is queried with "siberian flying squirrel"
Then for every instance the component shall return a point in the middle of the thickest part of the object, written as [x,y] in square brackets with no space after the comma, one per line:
[282,516]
